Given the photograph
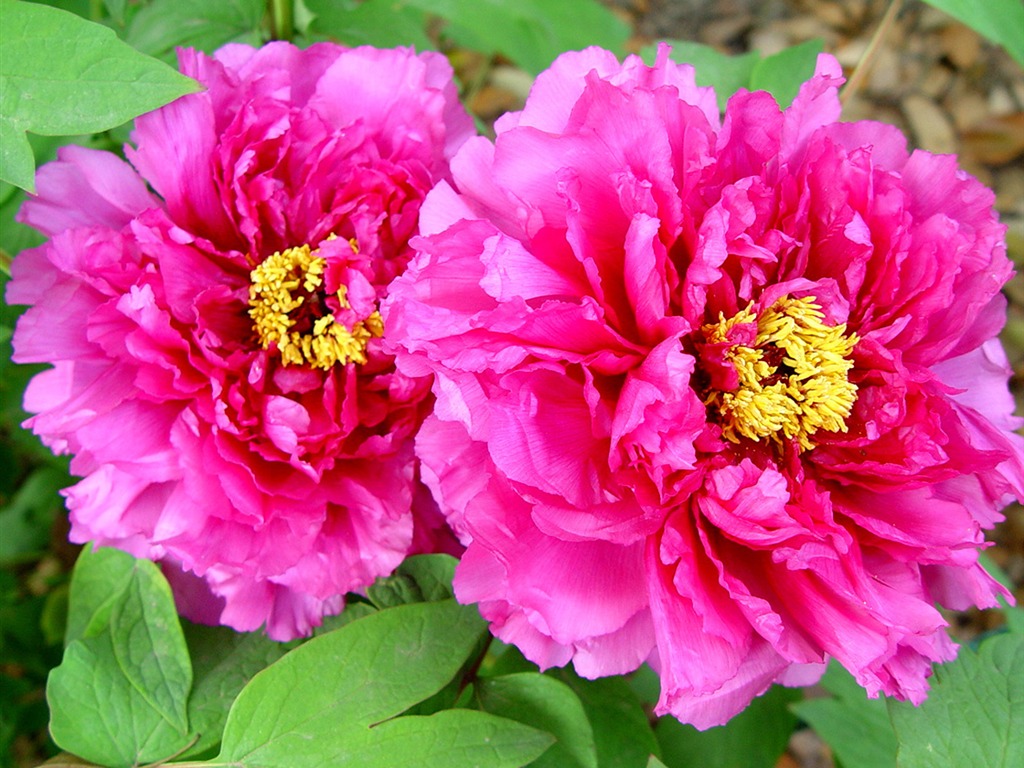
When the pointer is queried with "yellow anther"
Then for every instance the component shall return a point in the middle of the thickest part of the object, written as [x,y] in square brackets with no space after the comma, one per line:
[792,381]
[288,284]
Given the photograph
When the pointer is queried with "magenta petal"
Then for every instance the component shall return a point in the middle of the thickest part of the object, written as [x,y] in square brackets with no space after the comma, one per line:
[269,487]
[704,710]
[604,297]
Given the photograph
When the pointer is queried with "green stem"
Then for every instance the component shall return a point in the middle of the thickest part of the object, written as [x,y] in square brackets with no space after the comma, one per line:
[282,19]
[470,674]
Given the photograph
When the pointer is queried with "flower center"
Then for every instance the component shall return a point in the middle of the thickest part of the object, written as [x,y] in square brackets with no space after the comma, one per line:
[790,377]
[291,309]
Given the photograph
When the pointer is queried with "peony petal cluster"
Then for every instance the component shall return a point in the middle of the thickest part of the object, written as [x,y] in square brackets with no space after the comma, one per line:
[720,394]
[210,312]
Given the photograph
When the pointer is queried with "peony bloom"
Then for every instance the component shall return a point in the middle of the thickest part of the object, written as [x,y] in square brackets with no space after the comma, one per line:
[218,374]
[724,397]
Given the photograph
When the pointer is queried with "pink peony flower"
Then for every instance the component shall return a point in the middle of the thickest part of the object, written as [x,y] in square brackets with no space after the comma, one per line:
[727,398]
[217,371]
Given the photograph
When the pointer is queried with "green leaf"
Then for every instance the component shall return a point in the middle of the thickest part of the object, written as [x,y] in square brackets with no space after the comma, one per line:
[16,444]
[96,83]
[1001,21]
[974,714]
[1014,614]
[17,166]
[25,522]
[419,579]
[164,24]
[646,683]
[622,732]
[383,23]
[15,236]
[726,74]
[855,727]
[504,659]
[754,738]
[653,762]
[116,9]
[432,574]
[100,580]
[119,696]
[544,702]
[83,8]
[352,612]
[529,32]
[568,25]
[54,618]
[454,738]
[321,698]
[782,73]
[223,662]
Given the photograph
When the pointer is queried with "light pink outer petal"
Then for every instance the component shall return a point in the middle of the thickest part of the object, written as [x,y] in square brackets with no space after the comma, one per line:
[981,376]
[410,102]
[85,188]
[558,88]
[546,594]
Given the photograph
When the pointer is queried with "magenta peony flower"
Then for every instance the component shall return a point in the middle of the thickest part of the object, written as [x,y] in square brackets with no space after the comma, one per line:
[725,398]
[217,371]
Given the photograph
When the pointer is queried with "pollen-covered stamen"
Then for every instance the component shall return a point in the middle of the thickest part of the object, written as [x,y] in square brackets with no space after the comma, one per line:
[792,380]
[290,310]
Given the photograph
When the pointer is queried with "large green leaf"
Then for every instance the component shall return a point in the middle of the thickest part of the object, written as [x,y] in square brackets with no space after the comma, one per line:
[974,714]
[453,738]
[755,738]
[119,696]
[223,662]
[855,727]
[332,700]
[622,732]
[1001,21]
[544,702]
[96,83]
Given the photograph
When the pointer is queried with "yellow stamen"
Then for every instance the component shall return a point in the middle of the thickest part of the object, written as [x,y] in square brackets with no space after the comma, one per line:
[288,285]
[792,382]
